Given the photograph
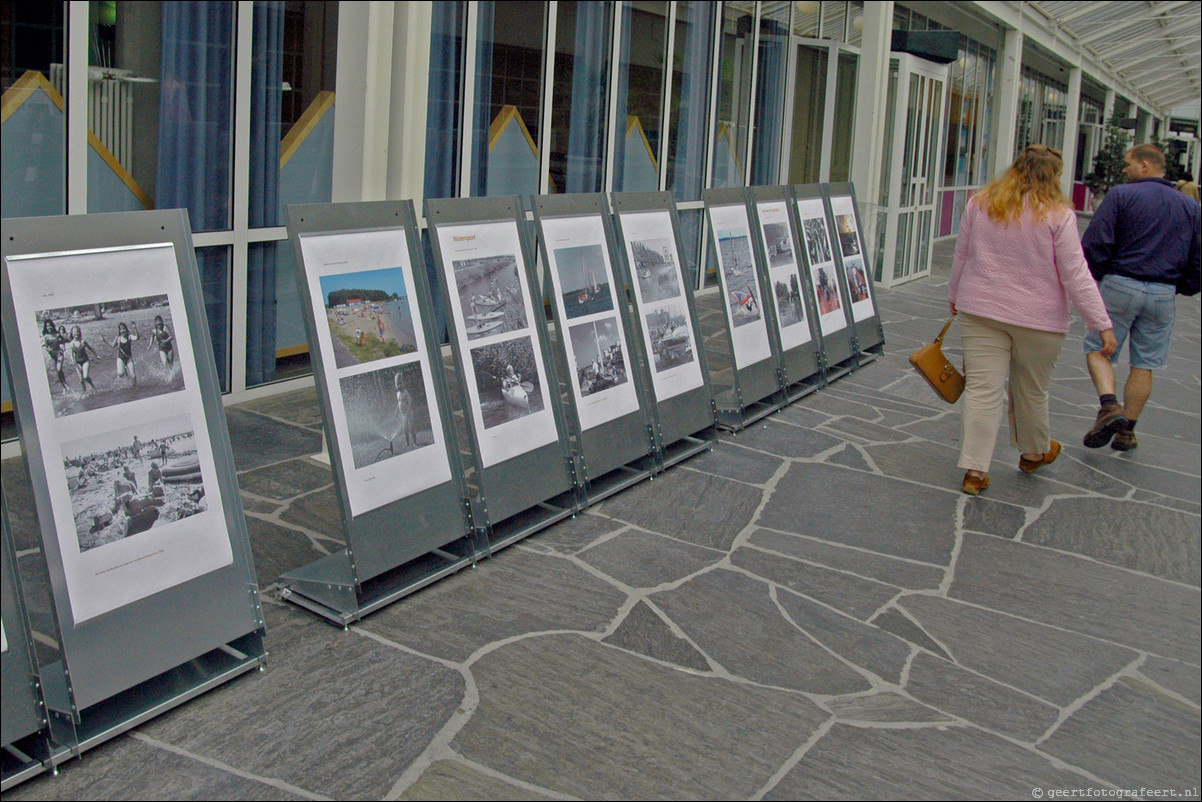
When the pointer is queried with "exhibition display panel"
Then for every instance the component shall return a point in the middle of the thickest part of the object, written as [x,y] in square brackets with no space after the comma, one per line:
[839,350]
[597,348]
[648,232]
[852,254]
[791,292]
[118,407]
[523,477]
[752,330]
[378,367]
[27,749]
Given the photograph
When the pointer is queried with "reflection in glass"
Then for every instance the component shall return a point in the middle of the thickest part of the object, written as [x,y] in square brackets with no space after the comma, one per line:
[636,127]
[578,111]
[34,133]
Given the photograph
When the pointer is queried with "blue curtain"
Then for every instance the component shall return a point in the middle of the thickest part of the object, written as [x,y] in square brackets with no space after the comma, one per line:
[587,120]
[266,86]
[689,159]
[196,112]
[769,104]
[482,111]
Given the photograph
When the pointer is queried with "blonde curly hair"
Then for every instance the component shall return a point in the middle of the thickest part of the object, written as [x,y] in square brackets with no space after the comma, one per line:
[1033,181]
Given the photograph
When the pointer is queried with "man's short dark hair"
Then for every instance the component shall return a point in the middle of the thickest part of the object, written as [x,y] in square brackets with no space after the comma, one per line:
[1150,154]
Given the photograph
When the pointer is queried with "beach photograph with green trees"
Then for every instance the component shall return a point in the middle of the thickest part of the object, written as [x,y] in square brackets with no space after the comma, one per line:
[369,316]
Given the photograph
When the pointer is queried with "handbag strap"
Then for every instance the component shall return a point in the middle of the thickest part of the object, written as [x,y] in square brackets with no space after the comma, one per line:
[946,326]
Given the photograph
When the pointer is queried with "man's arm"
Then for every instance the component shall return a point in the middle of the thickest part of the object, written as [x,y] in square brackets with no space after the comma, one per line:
[1098,241]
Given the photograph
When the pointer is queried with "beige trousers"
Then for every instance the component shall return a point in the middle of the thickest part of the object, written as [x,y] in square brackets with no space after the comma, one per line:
[993,352]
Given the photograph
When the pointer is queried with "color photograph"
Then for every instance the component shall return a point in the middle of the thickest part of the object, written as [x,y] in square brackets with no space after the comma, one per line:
[849,238]
[738,272]
[827,291]
[101,354]
[368,315]
[857,279]
[387,413]
[584,281]
[490,295]
[127,481]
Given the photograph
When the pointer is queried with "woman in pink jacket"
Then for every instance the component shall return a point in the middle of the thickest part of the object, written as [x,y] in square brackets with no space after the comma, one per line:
[1018,264]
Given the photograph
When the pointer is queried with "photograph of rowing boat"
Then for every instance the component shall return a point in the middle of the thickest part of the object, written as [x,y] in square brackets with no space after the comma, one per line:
[490,295]
[507,380]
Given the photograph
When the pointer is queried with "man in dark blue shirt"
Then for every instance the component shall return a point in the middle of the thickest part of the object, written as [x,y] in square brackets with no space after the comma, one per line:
[1143,245]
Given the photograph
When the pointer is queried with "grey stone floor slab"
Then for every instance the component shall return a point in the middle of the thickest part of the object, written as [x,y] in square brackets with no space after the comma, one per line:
[551,715]
[853,595]
[928,762]
[885,707]
[1103,738]
[453,780]
[907,574]
[644,631]
[644,560]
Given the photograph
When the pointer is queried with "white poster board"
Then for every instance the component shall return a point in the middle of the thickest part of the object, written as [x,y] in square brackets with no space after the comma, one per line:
[851,246]
[370,332]
[744,307]
[784,273]
[655,267]
[831,316]
[598,356]
[120,421]
[509,397]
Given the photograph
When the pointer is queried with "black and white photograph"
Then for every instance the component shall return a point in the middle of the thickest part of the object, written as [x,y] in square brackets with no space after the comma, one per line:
[857,279]
[368,315]
[507,380]
[387,413]
[779,244]
[849,238]
[818,245]
[738,271]
[584,281]
[124,482]
[655,267]
[106,353]
[490,295]
[670,335]
[789,305]
[597,350]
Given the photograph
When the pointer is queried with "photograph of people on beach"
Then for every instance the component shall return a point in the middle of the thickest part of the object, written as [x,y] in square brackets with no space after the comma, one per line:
[109,352]
[368,315]
[126,481]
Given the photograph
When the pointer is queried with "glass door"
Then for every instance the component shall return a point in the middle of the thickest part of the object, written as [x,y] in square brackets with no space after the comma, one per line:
[914,134]
[821,94]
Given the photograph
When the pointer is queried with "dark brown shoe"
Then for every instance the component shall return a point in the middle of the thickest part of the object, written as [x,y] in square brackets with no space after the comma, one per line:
[1111,419]
[973,485]
[1124,440]
[1031,465]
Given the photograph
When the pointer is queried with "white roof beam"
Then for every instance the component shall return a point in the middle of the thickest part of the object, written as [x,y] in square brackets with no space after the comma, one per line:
[1164,50]
[1127,22]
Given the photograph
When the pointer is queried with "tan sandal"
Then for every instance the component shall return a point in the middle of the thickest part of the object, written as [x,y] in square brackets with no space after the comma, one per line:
[973,485]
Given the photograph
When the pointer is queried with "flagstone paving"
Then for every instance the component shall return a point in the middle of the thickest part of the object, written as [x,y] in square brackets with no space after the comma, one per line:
[811,610]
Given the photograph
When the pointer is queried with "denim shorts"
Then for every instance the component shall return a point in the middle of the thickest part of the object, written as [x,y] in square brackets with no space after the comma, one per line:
[1144,311]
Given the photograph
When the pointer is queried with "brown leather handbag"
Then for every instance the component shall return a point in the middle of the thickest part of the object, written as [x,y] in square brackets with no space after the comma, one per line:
[933,366]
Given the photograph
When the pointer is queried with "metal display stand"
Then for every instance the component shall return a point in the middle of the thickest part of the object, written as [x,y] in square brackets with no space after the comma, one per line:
[522,478]
[27,749]
[840,352]
[401,490]
[792,293]
[598,354]
[170,608]
[684,415]
[752,328]
[852,255]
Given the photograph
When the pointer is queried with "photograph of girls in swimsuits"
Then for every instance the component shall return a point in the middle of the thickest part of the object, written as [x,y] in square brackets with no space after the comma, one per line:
[120,351]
